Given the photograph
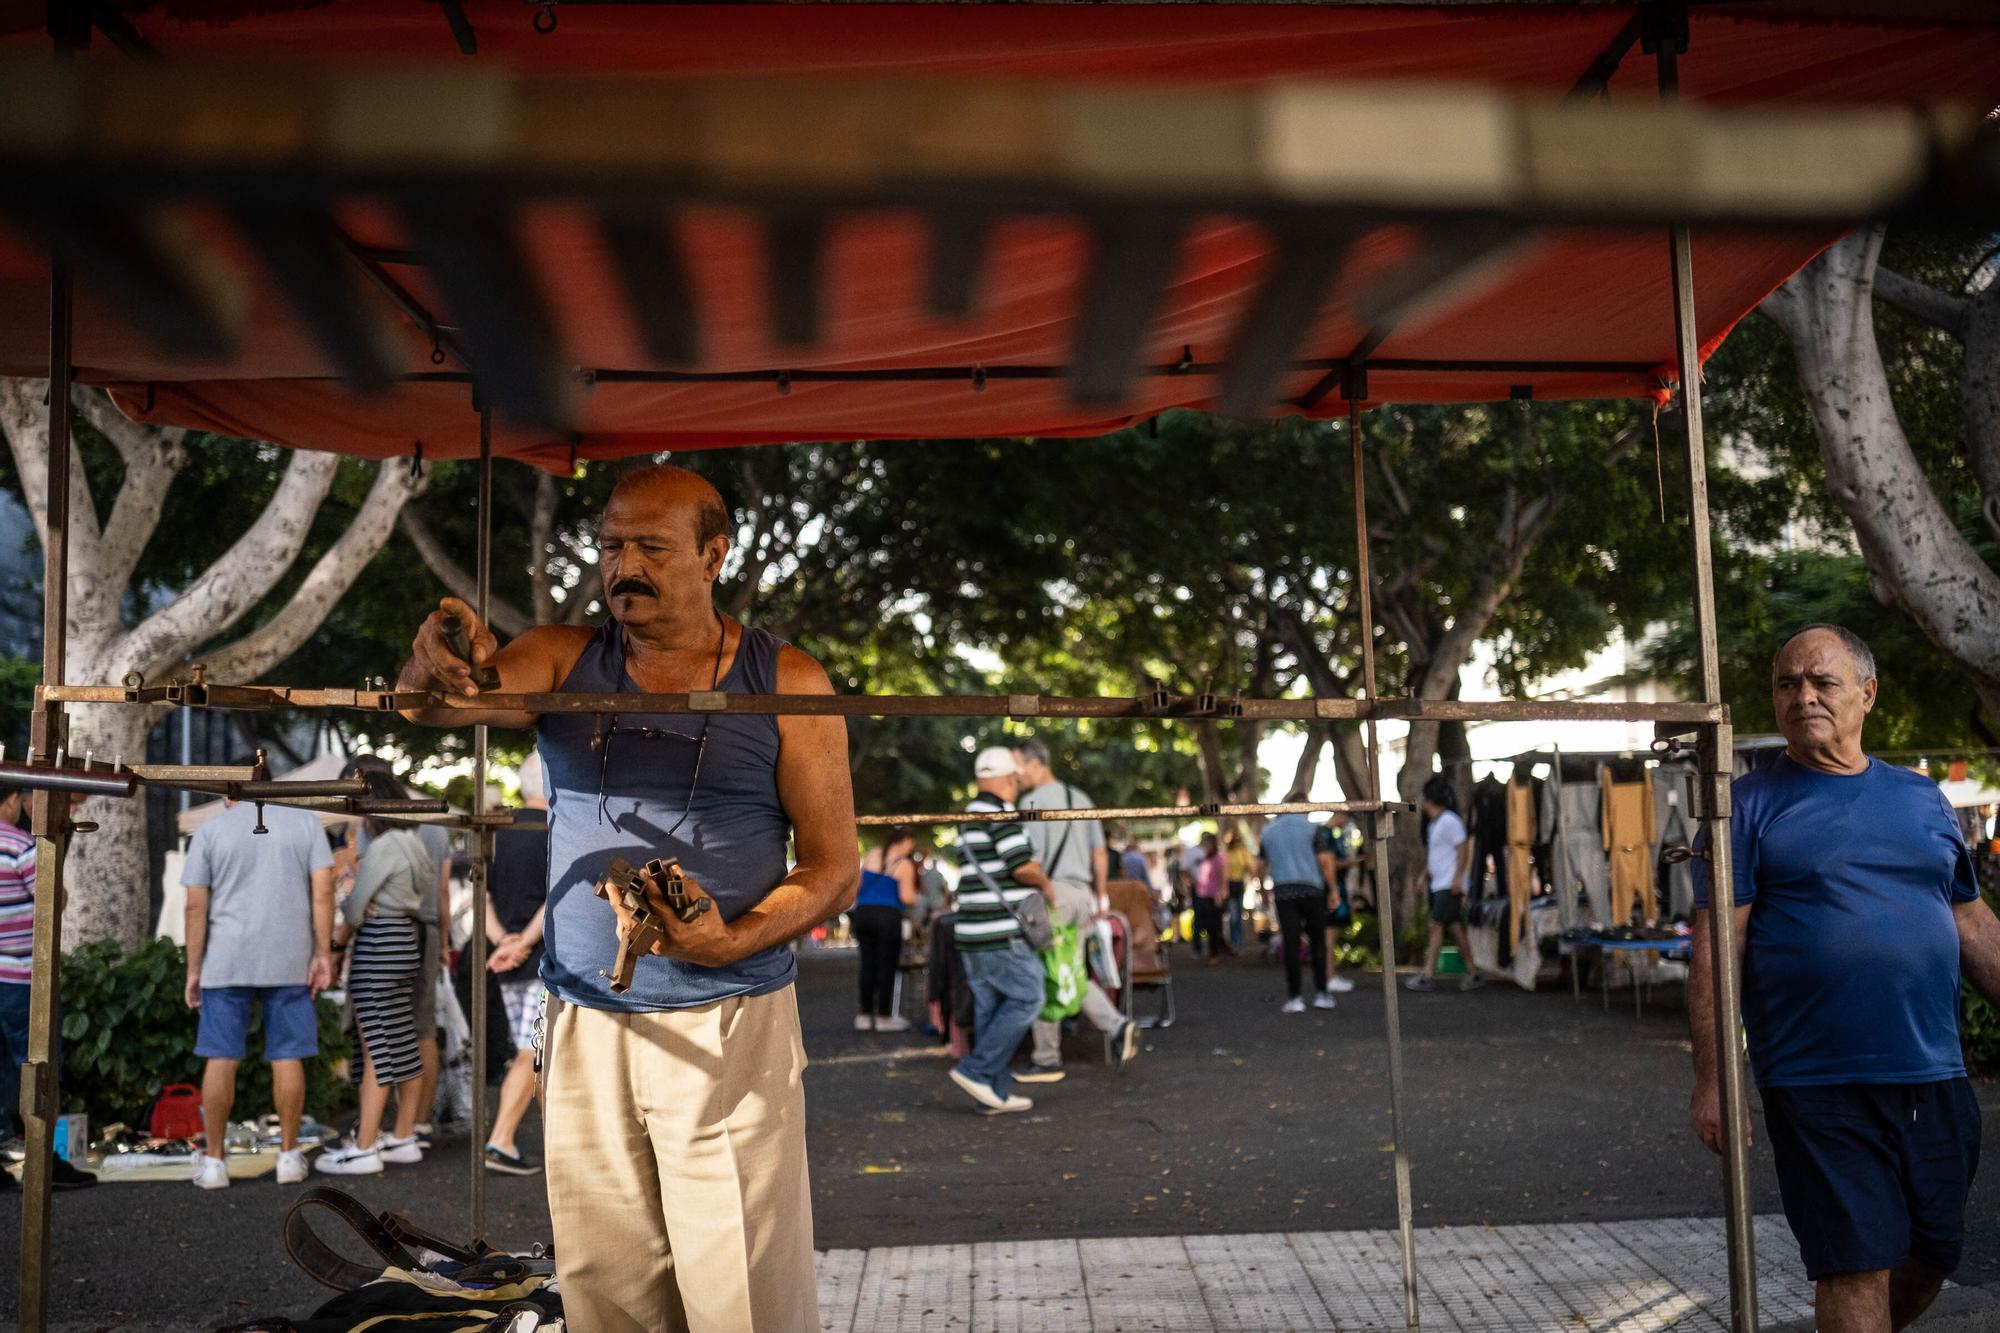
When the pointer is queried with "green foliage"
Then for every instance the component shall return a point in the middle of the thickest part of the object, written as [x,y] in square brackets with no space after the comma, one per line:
[1979,1031]
[18,678]
[127,1032]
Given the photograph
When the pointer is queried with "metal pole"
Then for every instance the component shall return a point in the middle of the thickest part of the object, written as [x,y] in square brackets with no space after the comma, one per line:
[1376,827]
[51,819]
[1716,744]
[482,841]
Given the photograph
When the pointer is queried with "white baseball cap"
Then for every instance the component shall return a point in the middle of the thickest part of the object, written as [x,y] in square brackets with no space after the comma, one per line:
[995,761]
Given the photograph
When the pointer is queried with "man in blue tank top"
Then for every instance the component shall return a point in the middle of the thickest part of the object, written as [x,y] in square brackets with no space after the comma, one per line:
[1855,916]
[674,1110]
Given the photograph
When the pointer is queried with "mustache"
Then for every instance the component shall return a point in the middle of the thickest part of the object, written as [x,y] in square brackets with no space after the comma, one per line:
[632,587]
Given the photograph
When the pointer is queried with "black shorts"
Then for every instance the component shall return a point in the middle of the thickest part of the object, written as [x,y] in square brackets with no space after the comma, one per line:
[1447,908]
[1873,1173]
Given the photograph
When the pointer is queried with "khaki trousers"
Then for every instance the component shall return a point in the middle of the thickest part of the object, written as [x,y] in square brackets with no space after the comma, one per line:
[677,1176]
[1075,904]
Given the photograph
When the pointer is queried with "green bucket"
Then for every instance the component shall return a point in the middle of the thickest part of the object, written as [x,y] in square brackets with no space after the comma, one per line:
[1450,962]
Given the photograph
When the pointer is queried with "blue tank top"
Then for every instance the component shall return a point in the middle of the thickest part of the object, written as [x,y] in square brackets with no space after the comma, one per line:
[878,890]
[732,840]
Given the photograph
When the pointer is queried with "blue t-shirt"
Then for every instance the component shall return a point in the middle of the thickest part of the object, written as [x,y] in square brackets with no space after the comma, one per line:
[1850,970]
[1289,849]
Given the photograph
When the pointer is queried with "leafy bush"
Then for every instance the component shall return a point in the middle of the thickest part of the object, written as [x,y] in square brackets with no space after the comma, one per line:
[127,1032]
[1979,1029]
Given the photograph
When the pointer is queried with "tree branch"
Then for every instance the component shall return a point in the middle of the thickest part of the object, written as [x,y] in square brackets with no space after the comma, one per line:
[24,419]
[240,578]
[503,616]
[1921,301]
[153,458]
[541,546]
[334,573]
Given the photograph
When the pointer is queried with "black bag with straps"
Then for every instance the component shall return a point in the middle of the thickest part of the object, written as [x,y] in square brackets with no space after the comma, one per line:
[421,1283]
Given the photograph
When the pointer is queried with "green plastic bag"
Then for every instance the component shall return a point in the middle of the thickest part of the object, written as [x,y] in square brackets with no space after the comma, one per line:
[1063,974]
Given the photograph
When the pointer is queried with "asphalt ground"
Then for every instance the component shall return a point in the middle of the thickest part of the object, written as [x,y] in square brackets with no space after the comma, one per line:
[1521,1108]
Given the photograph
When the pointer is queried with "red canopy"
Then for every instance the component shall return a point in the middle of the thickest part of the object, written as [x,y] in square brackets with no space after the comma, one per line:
[1590,308]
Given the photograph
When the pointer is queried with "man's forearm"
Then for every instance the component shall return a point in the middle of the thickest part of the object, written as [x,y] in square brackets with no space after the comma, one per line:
[1701,1000]
[323,918]
[1979,949]
[808,896]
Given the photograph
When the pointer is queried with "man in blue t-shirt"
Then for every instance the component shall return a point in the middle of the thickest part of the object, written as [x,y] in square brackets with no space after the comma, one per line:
[1855,913]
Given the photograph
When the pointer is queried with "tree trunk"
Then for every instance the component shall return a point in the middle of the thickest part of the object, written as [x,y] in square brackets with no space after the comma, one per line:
[1908,539]
[109,872]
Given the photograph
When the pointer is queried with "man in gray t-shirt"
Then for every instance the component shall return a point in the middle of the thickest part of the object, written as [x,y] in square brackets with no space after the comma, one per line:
[1072,851]
[259,933]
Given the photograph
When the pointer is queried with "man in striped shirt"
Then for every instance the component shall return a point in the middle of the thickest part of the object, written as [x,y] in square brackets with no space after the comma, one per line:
[998,873]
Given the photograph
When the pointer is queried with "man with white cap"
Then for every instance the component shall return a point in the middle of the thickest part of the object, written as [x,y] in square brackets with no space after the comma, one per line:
[1005,974]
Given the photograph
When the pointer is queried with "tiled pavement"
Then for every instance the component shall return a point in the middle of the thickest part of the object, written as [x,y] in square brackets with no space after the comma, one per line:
[1615,1277]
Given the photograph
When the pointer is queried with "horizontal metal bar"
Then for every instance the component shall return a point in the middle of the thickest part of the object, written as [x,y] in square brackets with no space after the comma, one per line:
[90,781]
[1019,706]
[189,775]
[1134,812]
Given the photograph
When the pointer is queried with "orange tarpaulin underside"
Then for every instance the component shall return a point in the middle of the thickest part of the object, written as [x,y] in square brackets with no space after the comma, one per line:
[1592,307]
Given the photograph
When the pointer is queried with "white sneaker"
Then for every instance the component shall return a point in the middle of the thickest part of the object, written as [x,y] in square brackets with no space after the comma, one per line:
[1295,1005]
[349,1159]
[979,1092]
[864,1022]
[291,1167]
[1324,1001]
[894,1023]
[1014,1102]
[210,1173]
[1338,986]
[403,1152]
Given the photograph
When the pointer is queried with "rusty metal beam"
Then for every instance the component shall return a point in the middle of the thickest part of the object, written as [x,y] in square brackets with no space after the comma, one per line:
[1181,812]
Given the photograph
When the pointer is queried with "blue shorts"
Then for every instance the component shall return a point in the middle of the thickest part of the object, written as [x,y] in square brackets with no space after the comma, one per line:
[291,1024]
[1875,1173]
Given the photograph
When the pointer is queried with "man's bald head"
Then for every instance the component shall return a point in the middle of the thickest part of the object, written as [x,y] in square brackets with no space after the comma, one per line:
[668,487]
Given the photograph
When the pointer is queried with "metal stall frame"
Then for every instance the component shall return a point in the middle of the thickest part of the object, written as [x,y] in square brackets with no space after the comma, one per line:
[1707,719]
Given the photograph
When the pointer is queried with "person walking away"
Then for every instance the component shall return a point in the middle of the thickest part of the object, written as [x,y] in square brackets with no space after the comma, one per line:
[1289,858]
[1211,894]
[1074,854]
[674,1110]
[1238,865]
[1448,861]
[1339,851]
[888,892]
[17,971]
[433,924]
[517,895]
[1856,918]
[999,873]
[379,919]
[259,935]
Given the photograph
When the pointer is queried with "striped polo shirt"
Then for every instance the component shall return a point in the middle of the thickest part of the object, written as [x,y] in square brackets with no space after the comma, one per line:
[17,906]
[998,848]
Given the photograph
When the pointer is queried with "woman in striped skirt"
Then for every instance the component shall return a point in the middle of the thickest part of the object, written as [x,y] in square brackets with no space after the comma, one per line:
[380,916]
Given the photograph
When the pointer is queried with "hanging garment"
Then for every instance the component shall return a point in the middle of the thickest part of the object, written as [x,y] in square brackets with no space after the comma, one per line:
[1629,835]
[1670,818]
[1520,858]
[1570,819]
[1489,829]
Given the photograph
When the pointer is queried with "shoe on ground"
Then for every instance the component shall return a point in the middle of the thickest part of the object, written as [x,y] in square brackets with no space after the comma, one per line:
[1125,1046]
[402,1152]
[349,1159]
[979,1092]
[1325,1001]
[514,1163]
[292,1167]
[1420,982]
[8,1185]
[893,1023]
[1040,1074]
[1015,1102]
[425,1135]
[1295,1005]
[210,1173]
[864,1022]
[1338,986]
[1472,983]
[65,1176]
